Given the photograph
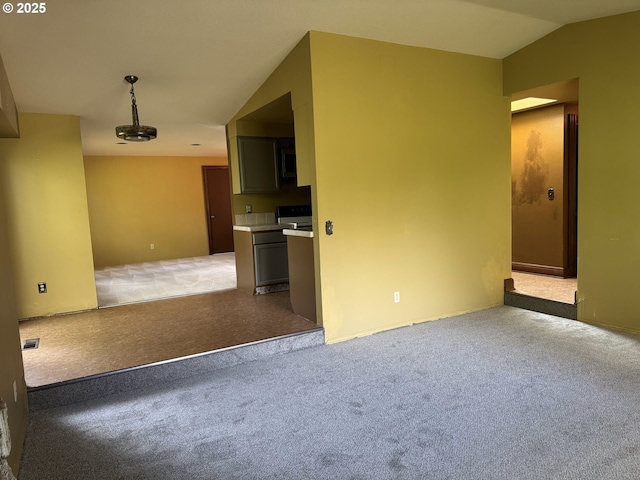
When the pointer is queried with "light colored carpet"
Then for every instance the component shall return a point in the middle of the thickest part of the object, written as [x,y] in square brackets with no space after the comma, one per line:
[142,282]
[499,394]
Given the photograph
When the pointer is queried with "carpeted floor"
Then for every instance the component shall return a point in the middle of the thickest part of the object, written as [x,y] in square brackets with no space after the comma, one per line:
[142,282]
[499,394]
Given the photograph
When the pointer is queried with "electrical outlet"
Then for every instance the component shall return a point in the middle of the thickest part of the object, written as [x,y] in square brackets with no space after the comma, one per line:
[152,246]
[248,208]
[396,297]
[42,287]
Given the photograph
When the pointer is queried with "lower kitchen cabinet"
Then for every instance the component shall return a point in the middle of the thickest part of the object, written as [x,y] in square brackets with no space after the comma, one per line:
[261,259]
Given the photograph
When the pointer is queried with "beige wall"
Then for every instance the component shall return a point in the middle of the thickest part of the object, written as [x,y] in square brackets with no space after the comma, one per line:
[11,369]
[138,201]
[537,164]
[42,178]
[601,54]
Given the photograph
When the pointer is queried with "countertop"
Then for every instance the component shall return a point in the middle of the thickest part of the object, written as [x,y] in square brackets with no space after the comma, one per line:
[298,232]
[266,227]
[260,227]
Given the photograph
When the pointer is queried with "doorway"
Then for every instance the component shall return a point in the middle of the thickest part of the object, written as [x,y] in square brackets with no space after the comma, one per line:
[217,196]
[545,193]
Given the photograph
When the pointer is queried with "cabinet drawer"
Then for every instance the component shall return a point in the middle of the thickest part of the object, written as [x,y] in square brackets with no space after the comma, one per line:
[276,236]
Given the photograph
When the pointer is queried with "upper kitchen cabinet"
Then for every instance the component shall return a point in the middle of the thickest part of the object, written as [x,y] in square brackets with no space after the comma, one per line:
[258,162]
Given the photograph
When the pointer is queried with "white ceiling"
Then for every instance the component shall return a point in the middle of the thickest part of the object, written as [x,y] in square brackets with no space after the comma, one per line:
[200,60]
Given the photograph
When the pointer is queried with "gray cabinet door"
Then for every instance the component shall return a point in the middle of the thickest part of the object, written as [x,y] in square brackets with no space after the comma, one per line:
[258,158]
[271,263]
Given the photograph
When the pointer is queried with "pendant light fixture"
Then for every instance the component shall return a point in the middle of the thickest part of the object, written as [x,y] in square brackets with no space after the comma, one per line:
[135,132]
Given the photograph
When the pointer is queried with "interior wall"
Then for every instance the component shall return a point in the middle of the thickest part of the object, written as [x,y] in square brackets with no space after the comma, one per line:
[289,194]
[599,53]
[42,178]
[138,201]
[413,169]
[11,369]
[537,164]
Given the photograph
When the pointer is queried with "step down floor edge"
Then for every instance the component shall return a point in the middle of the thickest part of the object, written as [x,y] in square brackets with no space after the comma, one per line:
[97,386]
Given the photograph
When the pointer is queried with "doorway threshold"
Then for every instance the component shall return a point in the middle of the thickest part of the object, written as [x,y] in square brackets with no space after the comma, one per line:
[541,305]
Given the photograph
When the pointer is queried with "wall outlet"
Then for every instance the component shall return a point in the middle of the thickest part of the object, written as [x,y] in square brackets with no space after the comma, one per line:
[248,208]
[152,246]
[42,287]
[396,297]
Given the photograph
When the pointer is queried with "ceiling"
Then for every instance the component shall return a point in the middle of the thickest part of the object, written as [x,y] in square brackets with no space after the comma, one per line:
[199,61]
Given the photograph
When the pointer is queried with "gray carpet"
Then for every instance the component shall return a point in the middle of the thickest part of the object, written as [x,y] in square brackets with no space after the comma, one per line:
[500,394]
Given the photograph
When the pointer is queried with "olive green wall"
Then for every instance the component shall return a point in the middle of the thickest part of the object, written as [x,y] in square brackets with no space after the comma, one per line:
[11,369]
[407,152]
[537,164]
[602,53]
[138,201]
[42,178]
[413,169]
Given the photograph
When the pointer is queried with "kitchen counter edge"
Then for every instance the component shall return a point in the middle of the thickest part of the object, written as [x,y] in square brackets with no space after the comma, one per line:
[297,233]
[260,228]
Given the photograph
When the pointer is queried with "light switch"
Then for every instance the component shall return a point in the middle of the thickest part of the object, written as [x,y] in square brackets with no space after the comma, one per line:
[551,194]
[328,227]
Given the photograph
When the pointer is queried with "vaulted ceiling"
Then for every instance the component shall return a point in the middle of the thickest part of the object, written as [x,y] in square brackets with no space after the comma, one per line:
[200,60]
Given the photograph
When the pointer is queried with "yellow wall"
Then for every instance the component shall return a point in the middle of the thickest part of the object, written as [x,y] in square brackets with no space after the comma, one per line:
[289,194]
[42,178]
[138,201]
[293,76]
[11,369]
[602,54]
[537,164]
[407,152]
[413,169]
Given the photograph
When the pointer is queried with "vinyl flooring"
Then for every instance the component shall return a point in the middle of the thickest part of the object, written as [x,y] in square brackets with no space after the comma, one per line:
[543,286]
[141,332]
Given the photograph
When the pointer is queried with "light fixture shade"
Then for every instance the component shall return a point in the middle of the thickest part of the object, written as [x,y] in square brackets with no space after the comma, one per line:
[135,132]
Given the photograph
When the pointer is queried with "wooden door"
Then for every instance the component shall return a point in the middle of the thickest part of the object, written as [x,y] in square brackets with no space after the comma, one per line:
[217,192]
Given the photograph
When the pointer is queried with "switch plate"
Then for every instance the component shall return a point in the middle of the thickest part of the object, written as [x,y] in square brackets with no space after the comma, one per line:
[152,246]
[396,297]
[42,287]
[328,227]
[551,194]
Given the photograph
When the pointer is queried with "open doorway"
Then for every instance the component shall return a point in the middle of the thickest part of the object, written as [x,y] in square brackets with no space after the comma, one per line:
[149,228]
[544,151]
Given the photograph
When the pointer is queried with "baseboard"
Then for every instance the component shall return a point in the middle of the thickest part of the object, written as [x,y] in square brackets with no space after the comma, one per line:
[541,269]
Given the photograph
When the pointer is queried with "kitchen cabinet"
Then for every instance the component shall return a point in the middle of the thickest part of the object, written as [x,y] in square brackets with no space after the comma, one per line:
[261,260]
[258,161]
